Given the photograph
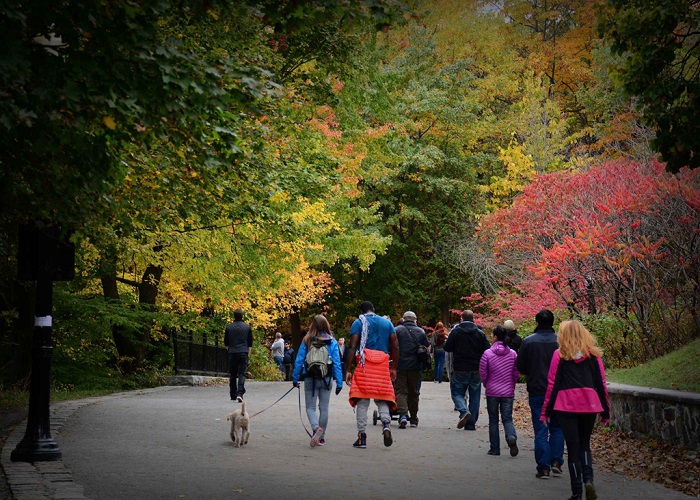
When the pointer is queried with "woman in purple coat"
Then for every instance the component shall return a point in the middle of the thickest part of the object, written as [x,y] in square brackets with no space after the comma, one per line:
[499,375]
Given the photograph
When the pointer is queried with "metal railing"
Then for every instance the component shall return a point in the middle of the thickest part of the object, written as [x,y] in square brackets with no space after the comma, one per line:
[199,354]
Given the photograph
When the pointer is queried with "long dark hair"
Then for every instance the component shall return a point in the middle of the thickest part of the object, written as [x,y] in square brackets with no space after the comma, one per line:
[319,324]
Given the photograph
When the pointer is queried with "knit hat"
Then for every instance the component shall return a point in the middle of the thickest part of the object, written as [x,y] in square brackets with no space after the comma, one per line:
[410,315]
[509,325]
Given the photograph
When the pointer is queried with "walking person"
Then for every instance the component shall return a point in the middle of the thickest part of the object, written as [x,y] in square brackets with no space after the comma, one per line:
[533,361]
[317,385]
[289,357]
[467,343]
[437,344]
[239,340]
[515,340]
[499,375]
[408,370]
[373,345]
[277,352]
[576,394]
[341,348]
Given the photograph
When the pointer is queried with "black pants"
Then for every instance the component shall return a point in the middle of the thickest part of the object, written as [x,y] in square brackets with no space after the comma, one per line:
[577,429]
[237,369]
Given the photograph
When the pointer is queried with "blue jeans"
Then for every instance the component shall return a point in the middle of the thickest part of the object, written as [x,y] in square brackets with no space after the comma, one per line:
[506,406]
[280,364]
[317,395]
[460,383]
[439,370]
[549,439]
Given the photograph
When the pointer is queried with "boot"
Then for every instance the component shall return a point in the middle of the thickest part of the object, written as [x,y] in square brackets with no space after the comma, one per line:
[576,479]
[361,440]
[587,473]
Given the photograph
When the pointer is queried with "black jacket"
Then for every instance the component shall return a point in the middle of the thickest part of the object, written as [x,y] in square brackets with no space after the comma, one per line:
[238,337]
[407,334]
[467,343]
[533,360]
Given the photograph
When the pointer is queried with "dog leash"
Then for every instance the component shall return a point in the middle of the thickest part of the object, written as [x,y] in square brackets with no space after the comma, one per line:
[302,418]
[273,404]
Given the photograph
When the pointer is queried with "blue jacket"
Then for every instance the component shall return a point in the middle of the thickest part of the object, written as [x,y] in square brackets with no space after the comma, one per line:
[334,353]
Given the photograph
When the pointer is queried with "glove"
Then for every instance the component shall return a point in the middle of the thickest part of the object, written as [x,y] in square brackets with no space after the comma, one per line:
[337,390]
[295,384]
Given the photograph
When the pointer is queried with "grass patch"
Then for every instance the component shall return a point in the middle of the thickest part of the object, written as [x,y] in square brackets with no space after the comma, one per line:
[676,371]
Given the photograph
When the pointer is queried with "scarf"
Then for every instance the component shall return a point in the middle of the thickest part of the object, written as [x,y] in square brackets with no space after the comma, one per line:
[363,339]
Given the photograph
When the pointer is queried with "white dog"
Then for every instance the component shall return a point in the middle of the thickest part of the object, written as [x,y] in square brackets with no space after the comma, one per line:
[240,423]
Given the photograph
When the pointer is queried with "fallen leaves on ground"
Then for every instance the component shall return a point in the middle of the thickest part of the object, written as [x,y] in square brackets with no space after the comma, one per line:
[634,457]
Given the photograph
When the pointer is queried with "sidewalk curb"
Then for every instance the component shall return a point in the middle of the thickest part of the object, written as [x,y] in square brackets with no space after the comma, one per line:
[50,480]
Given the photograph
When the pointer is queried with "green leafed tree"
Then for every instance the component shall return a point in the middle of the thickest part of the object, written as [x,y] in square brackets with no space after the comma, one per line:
[660,44]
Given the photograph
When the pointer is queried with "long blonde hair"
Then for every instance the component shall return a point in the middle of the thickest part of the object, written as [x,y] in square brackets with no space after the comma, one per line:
[575,341]
[319,324]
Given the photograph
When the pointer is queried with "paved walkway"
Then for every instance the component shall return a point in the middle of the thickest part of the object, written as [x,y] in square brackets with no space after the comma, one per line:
[172,443]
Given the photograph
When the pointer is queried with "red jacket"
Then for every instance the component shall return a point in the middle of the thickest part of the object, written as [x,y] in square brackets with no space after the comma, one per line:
[373,381]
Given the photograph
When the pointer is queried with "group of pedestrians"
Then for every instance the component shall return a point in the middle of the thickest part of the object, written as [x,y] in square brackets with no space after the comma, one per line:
[564,373]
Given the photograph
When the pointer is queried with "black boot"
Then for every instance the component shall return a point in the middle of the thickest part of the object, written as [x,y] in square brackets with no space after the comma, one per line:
[587,473]
[576,480]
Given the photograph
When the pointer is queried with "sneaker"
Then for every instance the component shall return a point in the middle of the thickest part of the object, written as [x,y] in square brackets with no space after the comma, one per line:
[513,445]
[316,437]
[469,427]
[239,399]
[556,468]
[413,426]
[575,496]
[542,474]
[321,442]
[387,435]
[590,492]
[493,452]
[361,440]
[403,421]
[463,420]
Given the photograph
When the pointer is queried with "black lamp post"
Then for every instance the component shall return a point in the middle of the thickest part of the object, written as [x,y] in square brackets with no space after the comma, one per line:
[44,255]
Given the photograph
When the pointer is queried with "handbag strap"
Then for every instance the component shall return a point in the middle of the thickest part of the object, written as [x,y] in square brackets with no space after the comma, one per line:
[415,338]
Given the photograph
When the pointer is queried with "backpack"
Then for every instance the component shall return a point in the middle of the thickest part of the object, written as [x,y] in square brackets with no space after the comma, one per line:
[317,361]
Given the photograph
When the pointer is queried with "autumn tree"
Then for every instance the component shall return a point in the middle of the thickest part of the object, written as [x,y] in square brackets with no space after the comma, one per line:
[618,239]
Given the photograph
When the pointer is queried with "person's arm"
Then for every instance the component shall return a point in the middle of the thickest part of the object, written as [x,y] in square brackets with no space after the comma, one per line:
[449,345]
[521,360]
[299,364]
[250,340]
[484,369]
[337,370]
[550,395]
[394,348]
[350,357]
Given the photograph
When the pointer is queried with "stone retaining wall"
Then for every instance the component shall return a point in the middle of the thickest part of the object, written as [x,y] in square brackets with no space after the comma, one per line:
[671,416]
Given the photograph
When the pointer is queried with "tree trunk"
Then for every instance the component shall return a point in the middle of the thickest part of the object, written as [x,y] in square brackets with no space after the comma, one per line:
[295,325]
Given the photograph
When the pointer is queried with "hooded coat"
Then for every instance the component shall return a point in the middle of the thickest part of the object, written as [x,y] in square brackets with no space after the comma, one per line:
[498,371]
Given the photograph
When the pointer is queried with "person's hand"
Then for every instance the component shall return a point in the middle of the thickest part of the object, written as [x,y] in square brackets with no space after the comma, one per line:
[337,390]
[392,374]
[348,378]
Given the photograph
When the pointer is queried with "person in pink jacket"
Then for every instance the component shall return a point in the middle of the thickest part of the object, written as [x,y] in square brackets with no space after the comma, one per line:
[577,393]
[499,376]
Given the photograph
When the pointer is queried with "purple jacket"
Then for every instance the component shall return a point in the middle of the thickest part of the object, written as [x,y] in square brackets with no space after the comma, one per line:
[498,371]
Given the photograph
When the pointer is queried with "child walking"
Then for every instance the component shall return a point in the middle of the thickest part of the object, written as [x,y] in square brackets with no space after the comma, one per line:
[317,391]
[577,393]
[499,375]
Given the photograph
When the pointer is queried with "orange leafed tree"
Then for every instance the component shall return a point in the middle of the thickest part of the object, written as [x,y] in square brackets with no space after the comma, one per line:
[622,238]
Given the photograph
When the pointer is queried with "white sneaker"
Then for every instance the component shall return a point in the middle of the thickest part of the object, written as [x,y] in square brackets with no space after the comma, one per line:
[317,437]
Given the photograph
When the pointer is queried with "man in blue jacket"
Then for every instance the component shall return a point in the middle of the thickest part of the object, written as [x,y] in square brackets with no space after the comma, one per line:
[533,361]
